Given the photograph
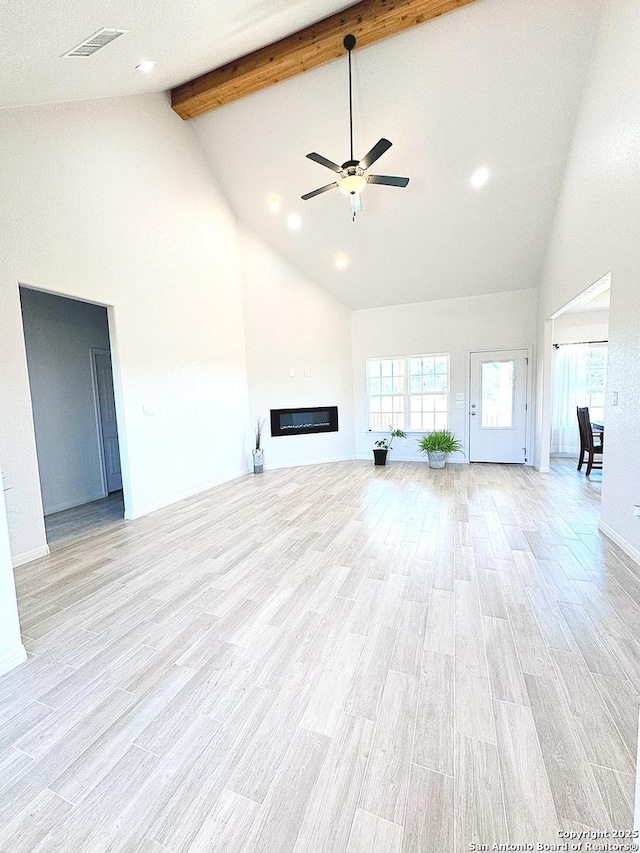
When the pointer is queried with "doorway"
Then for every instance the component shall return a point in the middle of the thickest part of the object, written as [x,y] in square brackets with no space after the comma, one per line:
[68,350]
[498,407]
[578,367]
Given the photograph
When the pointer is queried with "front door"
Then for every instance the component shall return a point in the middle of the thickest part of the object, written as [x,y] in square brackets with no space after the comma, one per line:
[498,406]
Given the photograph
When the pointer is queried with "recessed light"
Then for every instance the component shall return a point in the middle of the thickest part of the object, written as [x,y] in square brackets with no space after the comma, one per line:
[342,261]
[294,222]
[480,177]
[146,67]
[273,203]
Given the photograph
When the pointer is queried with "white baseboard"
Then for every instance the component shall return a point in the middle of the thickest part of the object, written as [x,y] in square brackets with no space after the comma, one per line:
[280,465]
[28,556]
[369,457]
[88,499]
[620,541]
[138,512]
[12,659]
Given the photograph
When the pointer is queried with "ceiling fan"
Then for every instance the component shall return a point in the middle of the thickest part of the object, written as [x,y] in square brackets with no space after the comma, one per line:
[353,173]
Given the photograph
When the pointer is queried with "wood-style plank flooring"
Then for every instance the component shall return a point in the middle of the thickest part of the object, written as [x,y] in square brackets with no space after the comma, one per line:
[332,659]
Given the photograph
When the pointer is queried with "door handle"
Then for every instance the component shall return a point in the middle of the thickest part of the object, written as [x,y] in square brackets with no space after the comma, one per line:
[473,414]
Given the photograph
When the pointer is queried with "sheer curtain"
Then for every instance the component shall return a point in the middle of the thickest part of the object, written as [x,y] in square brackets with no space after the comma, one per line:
[567,392]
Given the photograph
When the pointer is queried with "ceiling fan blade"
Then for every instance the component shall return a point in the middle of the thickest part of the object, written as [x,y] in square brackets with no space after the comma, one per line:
[356,203]
[388,180]
[318,158]
[320,190]
[377,151]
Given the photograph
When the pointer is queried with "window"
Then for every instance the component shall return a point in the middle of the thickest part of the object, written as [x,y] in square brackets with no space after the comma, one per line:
[578,379]
[408,392]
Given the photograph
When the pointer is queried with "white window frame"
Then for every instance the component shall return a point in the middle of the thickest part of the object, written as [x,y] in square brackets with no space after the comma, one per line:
[406,394]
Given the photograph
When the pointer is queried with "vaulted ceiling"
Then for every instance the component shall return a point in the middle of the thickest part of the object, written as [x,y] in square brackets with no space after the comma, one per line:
[495,84]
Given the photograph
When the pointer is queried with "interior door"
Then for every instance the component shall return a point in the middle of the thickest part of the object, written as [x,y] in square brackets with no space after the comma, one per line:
[107,418]
[498,406]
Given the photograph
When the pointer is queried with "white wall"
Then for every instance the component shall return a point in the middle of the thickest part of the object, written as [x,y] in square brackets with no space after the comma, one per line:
[581,327]
[294,325]
[595,231]
[456,326]
[112,201]
[12,651]
[59,334]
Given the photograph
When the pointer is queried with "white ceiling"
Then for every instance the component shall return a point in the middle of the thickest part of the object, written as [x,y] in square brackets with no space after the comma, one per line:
[185,39]
[496,83]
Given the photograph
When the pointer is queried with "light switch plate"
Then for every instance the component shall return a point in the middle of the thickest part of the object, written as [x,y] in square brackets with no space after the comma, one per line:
[292,372]
[148,410]
[614,398]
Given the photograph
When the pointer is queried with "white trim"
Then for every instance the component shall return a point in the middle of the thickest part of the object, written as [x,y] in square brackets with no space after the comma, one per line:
[132,513]
[421,458]
[28,556]
[309,462]
[12,659]
[620,541]
[93,351]
[71,504]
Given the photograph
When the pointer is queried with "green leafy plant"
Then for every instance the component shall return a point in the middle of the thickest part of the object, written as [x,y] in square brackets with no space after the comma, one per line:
[440,440]
[386,443]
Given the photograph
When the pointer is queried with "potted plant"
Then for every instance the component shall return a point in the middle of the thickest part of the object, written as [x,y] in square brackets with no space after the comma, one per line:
[383,446]
[438,445]
[258,452]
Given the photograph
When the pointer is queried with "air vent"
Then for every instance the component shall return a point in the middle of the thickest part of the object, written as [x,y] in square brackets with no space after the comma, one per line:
[95,42]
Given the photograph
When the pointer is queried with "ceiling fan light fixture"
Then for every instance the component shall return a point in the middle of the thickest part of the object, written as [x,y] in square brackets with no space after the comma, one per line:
[352,184]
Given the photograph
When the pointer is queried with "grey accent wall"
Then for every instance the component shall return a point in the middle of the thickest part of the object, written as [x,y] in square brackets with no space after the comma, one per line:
[59,334]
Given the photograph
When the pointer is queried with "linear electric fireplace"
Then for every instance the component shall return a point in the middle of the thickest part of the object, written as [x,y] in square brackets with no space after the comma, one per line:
[300,421]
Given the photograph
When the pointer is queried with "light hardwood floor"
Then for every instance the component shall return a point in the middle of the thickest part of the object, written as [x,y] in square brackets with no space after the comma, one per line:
[333,659]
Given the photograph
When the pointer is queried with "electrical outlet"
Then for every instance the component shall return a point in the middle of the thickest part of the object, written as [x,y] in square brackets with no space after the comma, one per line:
[307,372]
[148,410]
[636,510]
[614,398]
[292,372]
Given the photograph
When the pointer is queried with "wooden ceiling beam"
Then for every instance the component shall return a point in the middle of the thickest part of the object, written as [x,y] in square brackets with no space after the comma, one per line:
[369,21]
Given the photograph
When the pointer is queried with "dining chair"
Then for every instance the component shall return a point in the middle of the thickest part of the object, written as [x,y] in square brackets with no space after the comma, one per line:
[588,445]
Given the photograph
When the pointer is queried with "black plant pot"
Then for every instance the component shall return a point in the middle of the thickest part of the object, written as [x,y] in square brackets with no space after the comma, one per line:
[380,456]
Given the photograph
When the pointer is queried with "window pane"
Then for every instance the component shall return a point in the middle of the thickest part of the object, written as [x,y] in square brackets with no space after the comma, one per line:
[429,383]
[441,382]
[398,404]
[374,404]
[375,422]
[387,367]
[441,364]
[374,386]
[398,367]
[373,367]
[387,385]
[440,420]
[398,384]
[441,403]
[497,383]
[415,366]
[415,384]
[416,420]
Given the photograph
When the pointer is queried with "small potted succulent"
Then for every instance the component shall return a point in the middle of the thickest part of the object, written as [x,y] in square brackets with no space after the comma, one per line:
[383,446]
[437,445]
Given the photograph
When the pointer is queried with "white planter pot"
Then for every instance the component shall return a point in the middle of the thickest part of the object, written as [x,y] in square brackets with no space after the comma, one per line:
[437,459]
